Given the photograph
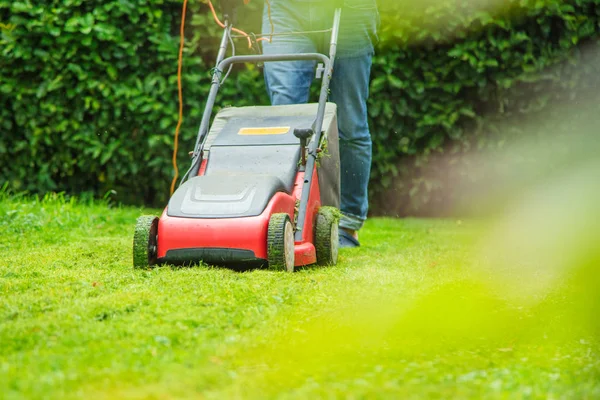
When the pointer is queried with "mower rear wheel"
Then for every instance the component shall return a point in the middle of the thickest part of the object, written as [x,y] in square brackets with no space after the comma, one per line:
[327,236]
[145,239]
[280,243]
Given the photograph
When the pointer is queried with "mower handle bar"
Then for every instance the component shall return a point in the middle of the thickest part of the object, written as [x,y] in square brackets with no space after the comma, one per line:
[276,57]
[223,63]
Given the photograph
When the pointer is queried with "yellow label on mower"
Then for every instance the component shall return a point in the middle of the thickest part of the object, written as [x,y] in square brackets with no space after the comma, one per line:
[278,130]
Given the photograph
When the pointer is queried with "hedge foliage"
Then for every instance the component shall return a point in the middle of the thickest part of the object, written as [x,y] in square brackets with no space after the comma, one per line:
[89,97]
[89,94]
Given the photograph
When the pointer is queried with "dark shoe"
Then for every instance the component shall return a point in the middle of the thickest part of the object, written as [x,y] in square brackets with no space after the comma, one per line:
[347,240]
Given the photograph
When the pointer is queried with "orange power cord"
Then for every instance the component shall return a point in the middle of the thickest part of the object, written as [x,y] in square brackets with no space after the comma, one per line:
[179,66]
[180,96]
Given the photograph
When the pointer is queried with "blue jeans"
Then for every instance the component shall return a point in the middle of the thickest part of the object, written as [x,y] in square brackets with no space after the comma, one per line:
[289,83]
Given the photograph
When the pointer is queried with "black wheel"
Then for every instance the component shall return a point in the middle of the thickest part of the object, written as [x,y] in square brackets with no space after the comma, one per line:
[280,243]
[145,241]
[327,235]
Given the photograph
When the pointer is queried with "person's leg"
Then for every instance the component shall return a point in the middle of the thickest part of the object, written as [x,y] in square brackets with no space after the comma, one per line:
[288,82]
[350,90]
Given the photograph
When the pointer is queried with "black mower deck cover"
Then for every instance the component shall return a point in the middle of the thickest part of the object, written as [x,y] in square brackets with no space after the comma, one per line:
[252,153]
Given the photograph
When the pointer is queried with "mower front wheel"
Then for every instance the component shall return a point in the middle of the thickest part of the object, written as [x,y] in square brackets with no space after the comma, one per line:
[327,236]
[145,240]
[280,243]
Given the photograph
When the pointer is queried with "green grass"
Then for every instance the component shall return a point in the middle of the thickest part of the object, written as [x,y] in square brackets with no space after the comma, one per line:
[416,312]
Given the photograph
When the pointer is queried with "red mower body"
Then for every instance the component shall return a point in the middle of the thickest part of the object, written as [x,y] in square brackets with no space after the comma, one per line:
[222,215]
[236,240]
[254,193]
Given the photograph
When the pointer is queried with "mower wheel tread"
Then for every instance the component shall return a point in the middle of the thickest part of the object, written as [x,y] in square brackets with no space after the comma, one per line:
[326,235]
[279,235]
[144,241]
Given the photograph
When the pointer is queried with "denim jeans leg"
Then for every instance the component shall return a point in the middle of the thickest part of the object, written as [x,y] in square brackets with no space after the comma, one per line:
[350,90]
[287,82]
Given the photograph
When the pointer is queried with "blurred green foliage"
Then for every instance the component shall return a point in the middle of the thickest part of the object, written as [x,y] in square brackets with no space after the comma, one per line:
[453,77]
[88,94]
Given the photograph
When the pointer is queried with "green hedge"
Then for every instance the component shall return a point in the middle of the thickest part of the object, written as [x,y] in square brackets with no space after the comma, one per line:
[89,98]
[89,95]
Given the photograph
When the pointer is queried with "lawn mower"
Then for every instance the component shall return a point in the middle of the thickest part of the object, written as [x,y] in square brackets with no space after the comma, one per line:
[263,188]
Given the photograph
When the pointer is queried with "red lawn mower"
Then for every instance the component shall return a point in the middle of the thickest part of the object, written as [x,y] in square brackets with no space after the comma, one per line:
[263,188]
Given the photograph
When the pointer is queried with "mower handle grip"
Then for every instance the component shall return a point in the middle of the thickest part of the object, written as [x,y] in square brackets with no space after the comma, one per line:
[272,57]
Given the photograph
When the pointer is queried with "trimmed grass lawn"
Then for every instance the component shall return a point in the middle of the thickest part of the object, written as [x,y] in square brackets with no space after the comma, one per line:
[414,313]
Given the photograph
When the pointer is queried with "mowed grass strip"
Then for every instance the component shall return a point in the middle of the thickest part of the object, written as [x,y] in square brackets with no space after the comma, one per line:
[407,315]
